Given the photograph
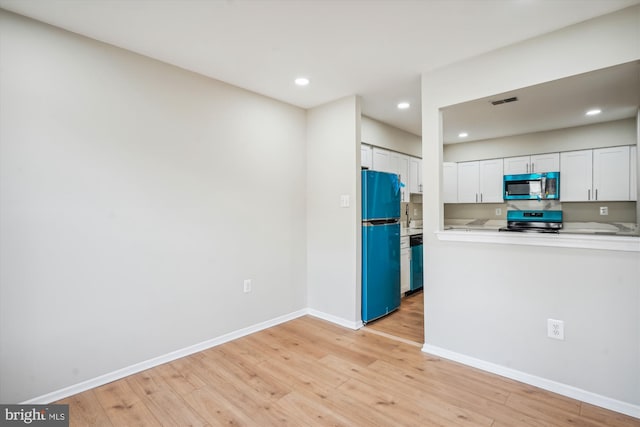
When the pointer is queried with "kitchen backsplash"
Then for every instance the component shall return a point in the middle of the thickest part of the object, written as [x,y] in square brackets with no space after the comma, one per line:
[572,212]
[411,211]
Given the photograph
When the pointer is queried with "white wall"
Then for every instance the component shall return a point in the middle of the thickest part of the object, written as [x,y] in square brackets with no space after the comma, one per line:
[135,197]
[384,136]
[491,301]
[607,134]
[333,232]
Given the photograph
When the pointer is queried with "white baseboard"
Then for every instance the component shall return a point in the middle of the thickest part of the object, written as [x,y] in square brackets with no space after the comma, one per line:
[335,319]
[156,361]
[543,383]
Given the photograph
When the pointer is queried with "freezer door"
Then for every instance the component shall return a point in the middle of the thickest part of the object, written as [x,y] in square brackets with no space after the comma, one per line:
[380,195]
[380,270]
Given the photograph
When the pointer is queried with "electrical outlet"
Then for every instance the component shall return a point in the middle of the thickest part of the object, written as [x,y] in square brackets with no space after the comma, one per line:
[604,210]
[498,211]
[247,285]
[555,329]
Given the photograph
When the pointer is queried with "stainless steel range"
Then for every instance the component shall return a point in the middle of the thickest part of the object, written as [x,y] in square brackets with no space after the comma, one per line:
[534,221]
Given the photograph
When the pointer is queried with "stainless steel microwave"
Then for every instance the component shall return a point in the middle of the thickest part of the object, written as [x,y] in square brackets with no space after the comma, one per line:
[532,186]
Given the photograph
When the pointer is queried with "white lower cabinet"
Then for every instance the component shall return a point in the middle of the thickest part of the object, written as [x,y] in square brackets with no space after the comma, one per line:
[405,265]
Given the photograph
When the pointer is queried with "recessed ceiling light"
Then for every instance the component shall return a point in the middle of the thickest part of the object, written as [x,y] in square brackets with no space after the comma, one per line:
[404,105]
[463,135]
[593,112]
[302,81]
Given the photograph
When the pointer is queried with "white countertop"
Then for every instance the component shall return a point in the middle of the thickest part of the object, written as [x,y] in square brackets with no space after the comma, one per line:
[586,235]
[411,231]
[615,228]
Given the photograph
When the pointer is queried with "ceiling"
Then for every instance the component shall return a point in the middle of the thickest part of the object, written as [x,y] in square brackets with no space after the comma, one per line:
[373,48]
[554,105]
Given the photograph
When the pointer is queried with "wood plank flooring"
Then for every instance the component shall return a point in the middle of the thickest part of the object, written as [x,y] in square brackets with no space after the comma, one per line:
[406,323]
[308,372]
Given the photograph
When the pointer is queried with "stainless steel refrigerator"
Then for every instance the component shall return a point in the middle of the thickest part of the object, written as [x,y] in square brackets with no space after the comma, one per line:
[380,244]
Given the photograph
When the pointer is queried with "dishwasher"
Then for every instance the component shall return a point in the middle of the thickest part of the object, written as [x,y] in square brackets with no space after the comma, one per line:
[417,260]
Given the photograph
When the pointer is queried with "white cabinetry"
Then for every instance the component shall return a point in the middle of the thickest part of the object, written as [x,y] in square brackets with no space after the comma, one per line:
[405,265]
[576,175]
[480,181]
[450,182]
[400,166]
[599,174]
[611,173]
[407,167]
[468,174]
[537,163]
[415,175]
[381,160]
[633,173]
[366,156]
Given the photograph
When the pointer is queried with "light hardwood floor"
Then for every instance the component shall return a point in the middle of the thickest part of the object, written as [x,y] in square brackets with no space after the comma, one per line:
[308,372]
[407,323]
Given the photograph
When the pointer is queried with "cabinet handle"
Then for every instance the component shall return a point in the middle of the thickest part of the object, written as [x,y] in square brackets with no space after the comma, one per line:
[480,197]
[527,167]
[476,197]
[589,194]
[596,194]
[533,165]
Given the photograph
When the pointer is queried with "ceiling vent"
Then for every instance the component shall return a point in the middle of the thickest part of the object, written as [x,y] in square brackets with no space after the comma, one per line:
[504,101]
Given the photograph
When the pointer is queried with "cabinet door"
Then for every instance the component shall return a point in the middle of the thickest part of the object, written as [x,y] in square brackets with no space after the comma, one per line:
[633,173]
[575,176]
[468,174]
[549,162]
[415,175]
[400,166]
[450,182]
[405,270]
[516,165]
[381,160]
[366,156]
[610,173]
[491,173]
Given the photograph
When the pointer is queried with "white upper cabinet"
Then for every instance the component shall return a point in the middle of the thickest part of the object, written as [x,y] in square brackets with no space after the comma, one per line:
[590,175]
[536,163]
[480,181]
[610,173]
[415,175]
[450,182]
[549,162]
[468,174]
[366,156]
[491,173]
[381,160]
[400,166]
[576,175]
[633,173]
[408,168]
[516,165]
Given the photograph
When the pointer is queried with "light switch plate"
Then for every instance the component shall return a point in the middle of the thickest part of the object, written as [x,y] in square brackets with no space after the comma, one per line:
[344,201]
